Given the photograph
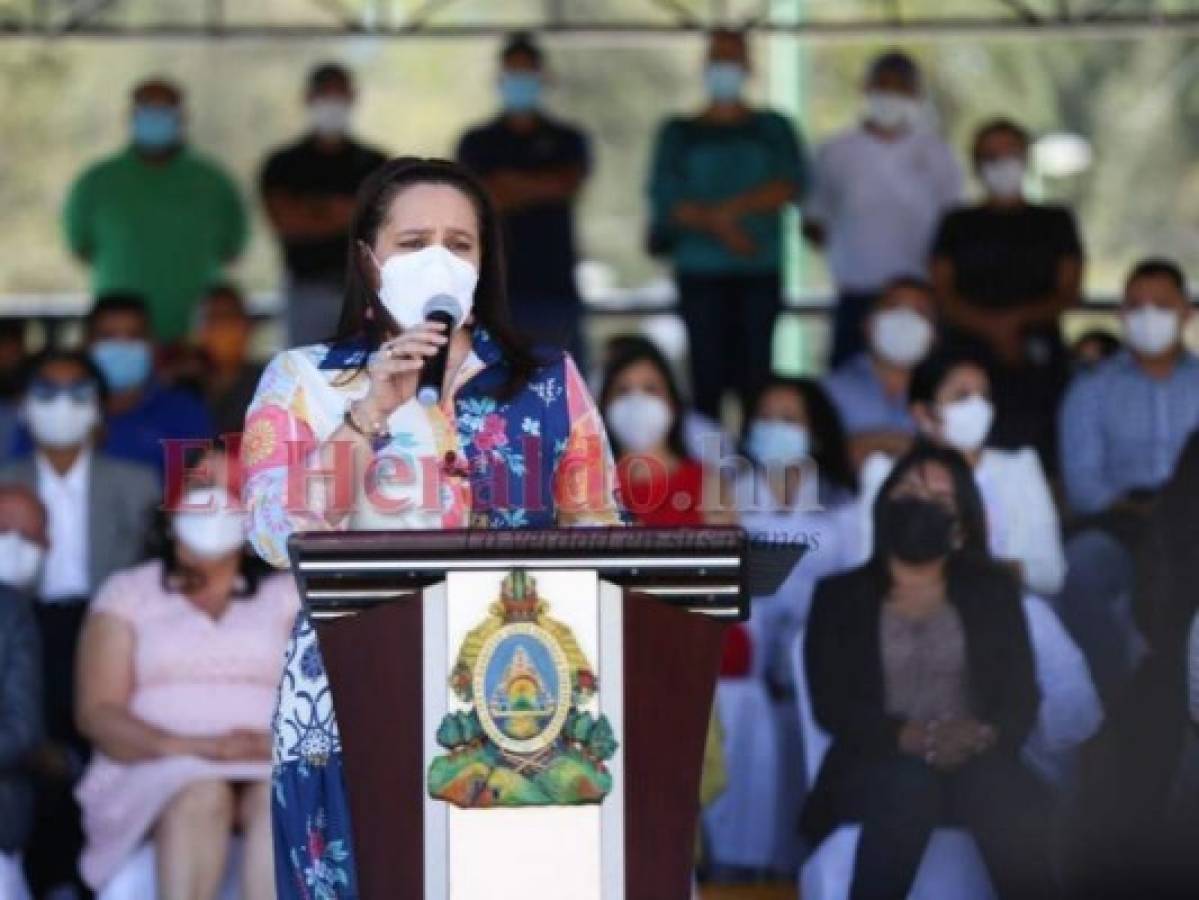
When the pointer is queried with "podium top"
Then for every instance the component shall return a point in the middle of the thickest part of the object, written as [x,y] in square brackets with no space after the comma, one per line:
[704,569]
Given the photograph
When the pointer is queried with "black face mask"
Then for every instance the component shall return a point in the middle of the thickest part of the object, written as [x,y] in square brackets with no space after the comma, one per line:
[915,531]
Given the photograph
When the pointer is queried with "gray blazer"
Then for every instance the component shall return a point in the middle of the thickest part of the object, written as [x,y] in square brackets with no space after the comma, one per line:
[20,716]
[121,502]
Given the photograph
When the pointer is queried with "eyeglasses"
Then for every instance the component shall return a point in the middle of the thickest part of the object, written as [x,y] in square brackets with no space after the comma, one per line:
[81,391]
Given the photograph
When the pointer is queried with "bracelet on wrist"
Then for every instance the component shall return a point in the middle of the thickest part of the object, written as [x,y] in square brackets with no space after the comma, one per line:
[374,431]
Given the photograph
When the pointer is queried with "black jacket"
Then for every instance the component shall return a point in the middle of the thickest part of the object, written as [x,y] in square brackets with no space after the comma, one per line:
[845,674]
[20,715]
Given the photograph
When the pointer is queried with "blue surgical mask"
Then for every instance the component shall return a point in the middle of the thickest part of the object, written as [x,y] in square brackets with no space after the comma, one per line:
[125,364]
[724,81]
[156,127]
[520,91]
[778,443]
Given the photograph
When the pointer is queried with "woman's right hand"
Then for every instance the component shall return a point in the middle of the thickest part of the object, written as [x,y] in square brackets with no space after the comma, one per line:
[394,371]
[235,746]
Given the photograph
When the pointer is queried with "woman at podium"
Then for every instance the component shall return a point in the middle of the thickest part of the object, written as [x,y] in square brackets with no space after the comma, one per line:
[353,434]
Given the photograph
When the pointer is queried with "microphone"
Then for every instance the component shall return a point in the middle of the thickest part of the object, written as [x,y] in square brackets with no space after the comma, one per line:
[447,310]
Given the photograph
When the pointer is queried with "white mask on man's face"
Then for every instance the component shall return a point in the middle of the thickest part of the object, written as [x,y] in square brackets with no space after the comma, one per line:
[329,117]
[61,421]
[892,111]
[1152,330]
[409,281]
[20,560]
[1004,177]
[901,336]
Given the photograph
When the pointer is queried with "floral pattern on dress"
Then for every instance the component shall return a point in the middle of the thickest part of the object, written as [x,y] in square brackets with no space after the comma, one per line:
[322,871]
[530,439]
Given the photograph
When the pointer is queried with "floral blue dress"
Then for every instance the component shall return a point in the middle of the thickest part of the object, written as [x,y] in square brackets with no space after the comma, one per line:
[536,459]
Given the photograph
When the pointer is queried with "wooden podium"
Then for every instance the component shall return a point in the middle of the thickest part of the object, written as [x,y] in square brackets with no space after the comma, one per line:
[645,611]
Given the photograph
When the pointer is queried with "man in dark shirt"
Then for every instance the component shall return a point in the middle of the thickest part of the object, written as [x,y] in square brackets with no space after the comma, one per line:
[534,166]
[1005,271]
[308,190]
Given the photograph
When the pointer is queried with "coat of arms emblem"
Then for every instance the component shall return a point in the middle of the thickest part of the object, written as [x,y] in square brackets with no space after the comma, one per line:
[527,732]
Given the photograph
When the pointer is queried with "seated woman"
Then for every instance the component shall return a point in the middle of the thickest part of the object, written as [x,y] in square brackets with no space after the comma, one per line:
[921,670]
[178,668]
[800,488]
[950,397]
[660,483]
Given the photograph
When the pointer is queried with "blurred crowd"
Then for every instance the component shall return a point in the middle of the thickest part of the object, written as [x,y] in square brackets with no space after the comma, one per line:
[954,423]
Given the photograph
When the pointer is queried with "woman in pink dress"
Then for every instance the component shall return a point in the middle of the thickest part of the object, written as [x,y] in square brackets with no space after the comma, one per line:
[179,663]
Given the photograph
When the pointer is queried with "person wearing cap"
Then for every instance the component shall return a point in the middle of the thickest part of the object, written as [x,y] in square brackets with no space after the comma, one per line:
[881,187]
[308,190]
[179,663]
[534,165]
[157,218]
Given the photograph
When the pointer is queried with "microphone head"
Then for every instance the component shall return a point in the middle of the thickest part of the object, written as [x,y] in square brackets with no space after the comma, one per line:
[445,304]
[428,395]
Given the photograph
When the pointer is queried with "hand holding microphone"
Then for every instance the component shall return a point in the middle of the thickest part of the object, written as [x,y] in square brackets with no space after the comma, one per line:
[395,369]
[428,293]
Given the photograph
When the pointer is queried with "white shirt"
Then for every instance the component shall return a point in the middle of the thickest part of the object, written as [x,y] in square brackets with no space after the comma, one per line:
[880,202]
[1022,522]
[65,570]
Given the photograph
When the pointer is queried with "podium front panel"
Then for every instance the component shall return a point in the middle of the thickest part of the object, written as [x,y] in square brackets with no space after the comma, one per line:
[570,852]
[645,622]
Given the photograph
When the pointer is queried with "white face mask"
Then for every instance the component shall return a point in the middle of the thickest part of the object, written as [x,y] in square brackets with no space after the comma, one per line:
[639,420]
[966,423]
[778,443]
[409,281]
[891,111]
[213,532]
[20,560]
[901,336]
[1003,177]
[1152,330]
[61,421]
[328,117]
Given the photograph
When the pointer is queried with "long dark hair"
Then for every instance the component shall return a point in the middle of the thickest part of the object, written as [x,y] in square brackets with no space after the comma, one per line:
[971,514]
[374,200]
[628,352]
[830,448]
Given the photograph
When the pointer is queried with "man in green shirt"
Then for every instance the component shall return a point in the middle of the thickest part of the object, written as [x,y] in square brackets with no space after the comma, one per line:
[719,181]
[156,219]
